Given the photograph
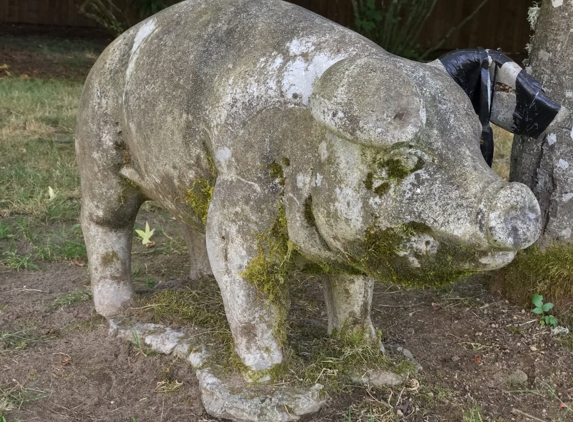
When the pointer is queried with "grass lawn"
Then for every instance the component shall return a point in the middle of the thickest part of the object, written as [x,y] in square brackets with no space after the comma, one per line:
[39,181]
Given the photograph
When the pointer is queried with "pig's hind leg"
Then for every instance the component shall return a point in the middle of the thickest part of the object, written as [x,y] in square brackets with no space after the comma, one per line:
[110,202]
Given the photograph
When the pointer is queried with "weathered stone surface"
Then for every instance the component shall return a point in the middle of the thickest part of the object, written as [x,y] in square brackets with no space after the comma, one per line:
[286,404]
[378,378]
[226,398]
[288,141]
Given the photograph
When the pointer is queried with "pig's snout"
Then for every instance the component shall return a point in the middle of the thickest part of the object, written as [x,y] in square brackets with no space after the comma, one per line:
[514,217]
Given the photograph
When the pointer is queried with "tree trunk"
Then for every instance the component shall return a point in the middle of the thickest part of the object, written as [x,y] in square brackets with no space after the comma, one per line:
[546,164]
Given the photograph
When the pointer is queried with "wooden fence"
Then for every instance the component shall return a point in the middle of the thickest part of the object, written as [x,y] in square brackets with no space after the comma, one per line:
[500,23]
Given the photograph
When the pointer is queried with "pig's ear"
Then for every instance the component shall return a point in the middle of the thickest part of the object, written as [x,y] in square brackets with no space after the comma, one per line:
[369,101]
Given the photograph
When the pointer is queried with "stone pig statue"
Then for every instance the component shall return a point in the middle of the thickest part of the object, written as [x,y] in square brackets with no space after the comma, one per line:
[283,140]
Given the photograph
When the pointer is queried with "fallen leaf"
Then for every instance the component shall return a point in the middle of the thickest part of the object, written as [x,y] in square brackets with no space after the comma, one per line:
[477,358]
[24,76]
[78,263]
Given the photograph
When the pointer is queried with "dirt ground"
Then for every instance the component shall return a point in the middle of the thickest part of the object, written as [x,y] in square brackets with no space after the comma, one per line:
[482,358]
[62,365]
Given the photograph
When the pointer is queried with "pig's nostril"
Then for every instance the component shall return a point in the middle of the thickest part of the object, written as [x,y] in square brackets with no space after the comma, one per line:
[514,220]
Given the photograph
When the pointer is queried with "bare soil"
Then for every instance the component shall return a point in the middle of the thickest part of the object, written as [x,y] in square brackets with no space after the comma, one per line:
[58,363]
[65,367]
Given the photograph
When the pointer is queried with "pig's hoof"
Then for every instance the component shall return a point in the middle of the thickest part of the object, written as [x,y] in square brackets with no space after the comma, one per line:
[230,399]
[111,298]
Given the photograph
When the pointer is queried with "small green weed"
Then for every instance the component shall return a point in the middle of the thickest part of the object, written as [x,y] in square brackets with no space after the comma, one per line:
[23,339]
[542,309]
[13,398]
[473,415]
[71,298]
[139,346]
[5,231]
[18,262]
[567,342]
[145,236]
[149,283]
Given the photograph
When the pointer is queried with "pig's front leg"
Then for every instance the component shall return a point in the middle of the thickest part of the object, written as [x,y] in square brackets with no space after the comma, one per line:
[348,304]
[237,213]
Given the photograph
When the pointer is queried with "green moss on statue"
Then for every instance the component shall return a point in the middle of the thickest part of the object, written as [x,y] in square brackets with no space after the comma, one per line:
[383,258]
[276,172]
[396,170]
[199,195]
[270,270]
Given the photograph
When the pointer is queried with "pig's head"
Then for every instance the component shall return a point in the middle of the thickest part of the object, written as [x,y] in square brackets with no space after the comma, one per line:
[403,192]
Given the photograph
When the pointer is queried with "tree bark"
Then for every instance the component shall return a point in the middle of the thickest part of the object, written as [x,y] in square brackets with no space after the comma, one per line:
[546,164]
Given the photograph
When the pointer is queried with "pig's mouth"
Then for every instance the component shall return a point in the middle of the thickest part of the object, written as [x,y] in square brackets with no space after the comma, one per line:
[412,255]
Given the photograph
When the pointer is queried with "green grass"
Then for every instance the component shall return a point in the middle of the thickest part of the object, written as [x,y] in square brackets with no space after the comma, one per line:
[14,397]
[76,296]
[23,339]
[37,122]
[473,415]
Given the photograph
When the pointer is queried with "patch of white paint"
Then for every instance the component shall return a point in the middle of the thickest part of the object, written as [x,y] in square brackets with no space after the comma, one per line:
[557,3]
[323,151]
[302,181]
[144,32]
[277,63]
[568,94]
[299,75]
[551,138]
[222,155]
[567,197]
[318,181]
[298,46]
[562,164]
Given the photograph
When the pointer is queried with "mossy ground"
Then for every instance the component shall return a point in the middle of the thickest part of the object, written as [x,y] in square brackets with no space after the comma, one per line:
[548,273]
[311,355]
